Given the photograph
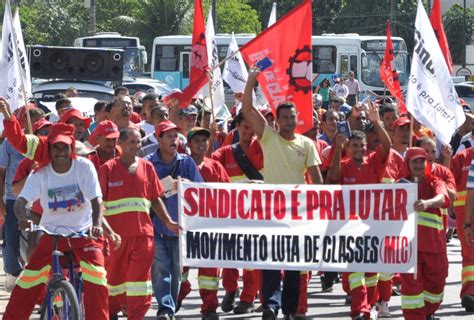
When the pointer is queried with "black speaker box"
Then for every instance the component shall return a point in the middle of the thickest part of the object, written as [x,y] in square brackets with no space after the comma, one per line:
[70,63]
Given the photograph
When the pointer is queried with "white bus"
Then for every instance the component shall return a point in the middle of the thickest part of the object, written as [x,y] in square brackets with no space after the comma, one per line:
[135,56]
[333,55]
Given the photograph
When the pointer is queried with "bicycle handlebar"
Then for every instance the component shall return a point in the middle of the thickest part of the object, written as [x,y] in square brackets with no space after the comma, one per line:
[71,233]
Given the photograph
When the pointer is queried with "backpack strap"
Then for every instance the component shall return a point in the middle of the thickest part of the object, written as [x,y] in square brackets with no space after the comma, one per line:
[244,163]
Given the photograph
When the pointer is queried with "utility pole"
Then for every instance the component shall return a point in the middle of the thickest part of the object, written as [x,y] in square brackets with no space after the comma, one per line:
[93,25]
[214,14]
[464,37]
[393,18]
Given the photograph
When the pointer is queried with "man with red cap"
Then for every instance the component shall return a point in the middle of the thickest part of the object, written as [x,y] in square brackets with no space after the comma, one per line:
[422,294]
[65,185]
[10,158]
[401,135]
[79,121]
[166,269]
[131,187]
[211,171]
[461,166]
[105,137]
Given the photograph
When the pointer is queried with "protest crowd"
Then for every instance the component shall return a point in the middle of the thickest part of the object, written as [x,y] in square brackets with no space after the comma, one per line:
[117,176]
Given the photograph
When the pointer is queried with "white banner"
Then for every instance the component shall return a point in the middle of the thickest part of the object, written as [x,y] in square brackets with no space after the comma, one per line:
[357,228]
[431,96]
[235,72]
[212,55]
[13,64]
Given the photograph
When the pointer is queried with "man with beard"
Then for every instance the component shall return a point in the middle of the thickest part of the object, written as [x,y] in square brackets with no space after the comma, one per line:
[120,111]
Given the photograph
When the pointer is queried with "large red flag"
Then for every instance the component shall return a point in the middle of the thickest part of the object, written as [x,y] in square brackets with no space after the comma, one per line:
[388,72]
[436,23]
[199,62]
[288,45]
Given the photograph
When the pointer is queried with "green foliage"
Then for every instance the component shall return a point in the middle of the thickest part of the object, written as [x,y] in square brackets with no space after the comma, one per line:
[459,28]
[56,22]
[236,16]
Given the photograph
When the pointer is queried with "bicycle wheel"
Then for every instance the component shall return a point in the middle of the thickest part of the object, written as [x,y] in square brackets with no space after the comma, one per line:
[63,303]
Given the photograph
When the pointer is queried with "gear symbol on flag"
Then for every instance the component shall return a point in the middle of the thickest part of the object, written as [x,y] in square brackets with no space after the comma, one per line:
[300,70]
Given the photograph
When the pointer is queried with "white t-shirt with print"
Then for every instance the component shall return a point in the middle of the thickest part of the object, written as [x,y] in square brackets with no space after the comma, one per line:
[65,197]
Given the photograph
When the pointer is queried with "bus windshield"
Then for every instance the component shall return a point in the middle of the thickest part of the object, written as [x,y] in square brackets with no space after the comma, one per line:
[371,70]
[131,63]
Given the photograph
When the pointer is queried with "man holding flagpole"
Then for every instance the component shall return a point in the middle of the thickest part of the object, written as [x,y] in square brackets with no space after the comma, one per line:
[431,96]
[433,101]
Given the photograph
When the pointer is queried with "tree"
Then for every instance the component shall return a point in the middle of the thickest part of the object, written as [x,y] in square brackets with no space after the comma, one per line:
[54,22]
[459,28]
[236,16]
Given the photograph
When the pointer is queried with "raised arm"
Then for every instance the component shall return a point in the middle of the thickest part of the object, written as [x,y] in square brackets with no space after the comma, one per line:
[252,115]
[29,145]
[374,117]
[334,173]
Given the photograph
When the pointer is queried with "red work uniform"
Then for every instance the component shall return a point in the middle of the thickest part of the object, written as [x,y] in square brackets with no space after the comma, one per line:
[390,175]
[250,277]
[33,280]
[362,286]
[22,172]
[422,296]
[460,165]
[98,162]
[127,200]
[208,278]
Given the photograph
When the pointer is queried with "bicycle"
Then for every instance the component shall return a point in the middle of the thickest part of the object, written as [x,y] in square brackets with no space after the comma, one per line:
[64,297]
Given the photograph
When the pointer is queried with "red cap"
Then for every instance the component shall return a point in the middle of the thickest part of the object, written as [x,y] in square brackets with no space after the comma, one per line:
[107,129]
[265,110]
[74,113]
[164,126]
[61,132]
[415,153]
[40,124]
[400,122]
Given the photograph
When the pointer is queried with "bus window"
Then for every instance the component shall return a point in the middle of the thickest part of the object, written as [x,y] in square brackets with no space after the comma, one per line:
[185,64]
[353,67]
[324,59]
[222,52]
[344,64]
[167,58]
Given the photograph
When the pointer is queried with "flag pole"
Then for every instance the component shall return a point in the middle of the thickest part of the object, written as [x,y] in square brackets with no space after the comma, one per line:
[22,81]
[210,95]
[410,141]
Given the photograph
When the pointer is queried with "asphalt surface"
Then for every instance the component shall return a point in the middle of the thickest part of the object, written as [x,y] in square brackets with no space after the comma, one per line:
[321,305]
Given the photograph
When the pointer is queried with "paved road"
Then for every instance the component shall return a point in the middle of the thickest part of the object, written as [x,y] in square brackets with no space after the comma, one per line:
[323,305]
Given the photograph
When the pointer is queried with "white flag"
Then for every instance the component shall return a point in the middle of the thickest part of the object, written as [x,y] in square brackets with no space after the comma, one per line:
[24,64]
[236,75]
[273,15]
[213,58]
[11,63]
[235,72]
[431,96]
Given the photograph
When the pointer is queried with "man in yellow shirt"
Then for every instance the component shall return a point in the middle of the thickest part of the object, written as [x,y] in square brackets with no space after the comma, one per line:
[287,156]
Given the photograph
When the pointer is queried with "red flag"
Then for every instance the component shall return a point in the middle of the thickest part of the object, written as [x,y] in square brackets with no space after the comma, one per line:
[185,97]
[288,45]
[435,19]
[199,62]
[388,72]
